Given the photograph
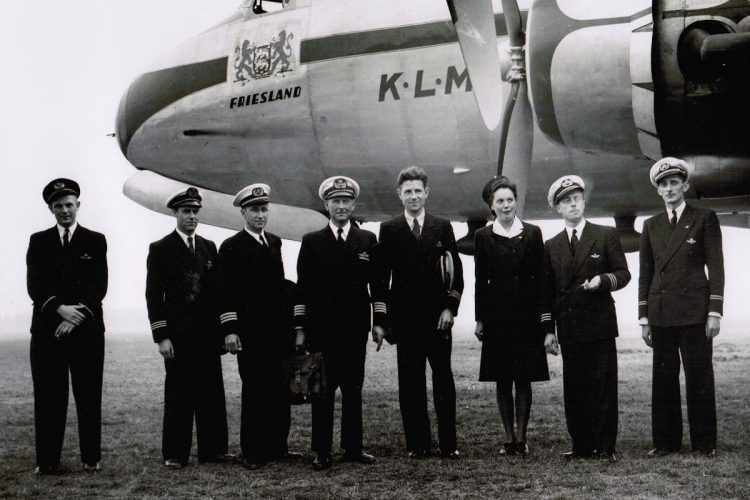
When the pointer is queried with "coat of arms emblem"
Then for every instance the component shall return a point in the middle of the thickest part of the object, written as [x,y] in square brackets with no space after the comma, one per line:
[253,61]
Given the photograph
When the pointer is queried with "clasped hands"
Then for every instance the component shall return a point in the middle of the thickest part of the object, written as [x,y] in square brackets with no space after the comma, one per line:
[592,284]
[71,317]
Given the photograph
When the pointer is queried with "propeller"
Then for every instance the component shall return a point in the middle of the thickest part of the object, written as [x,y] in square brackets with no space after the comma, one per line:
[483,63]
[475,25]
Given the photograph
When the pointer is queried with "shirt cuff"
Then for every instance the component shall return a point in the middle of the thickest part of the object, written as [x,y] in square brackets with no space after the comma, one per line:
[715,314]
[643,321]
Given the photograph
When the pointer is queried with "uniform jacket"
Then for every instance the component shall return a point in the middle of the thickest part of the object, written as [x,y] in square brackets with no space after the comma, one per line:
[180,291]
[338,286]
[56,276]
[417,294]
[673,289]
[584,316]
[509,284]
[256,301]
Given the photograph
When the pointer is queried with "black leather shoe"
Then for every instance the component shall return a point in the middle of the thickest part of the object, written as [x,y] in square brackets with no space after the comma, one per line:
[574,455]
[172,463]
[508,449]
[709,453]
[362,457]
[611,457]
[322,462]
[95,467]
[290,455]
[451,455]
[222,458]
[252,463]
[48,470]
[522,448]
[418,454]
[658,453]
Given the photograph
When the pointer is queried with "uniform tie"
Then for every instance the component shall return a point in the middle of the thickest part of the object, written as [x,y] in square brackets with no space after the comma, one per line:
[66,238]
[673,220]
[340,235]
[191,247]
[416,230]
[263,241]
[574,242]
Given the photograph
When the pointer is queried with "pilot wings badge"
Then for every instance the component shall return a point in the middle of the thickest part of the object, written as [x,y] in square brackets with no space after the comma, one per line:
[254,61]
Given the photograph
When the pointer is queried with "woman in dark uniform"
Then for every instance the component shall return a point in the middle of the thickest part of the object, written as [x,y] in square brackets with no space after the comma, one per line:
[508,297]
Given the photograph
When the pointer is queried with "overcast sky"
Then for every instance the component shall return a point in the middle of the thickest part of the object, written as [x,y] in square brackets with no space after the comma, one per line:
[65,67]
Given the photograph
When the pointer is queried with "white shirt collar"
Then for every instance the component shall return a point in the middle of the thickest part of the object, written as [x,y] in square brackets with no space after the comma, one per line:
[335,229]
[257,235]
[578,228]
[515,229]
[679,209]
[184,237]
[419,217]
[71,230]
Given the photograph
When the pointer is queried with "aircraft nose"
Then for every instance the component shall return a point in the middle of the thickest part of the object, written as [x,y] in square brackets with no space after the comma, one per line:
[154,91]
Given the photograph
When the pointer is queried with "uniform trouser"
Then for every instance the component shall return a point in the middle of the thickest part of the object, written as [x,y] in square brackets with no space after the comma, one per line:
[345,370]
[590,393]
[194,389]
[697,351]
[266,414]
[81,354]
[412,356]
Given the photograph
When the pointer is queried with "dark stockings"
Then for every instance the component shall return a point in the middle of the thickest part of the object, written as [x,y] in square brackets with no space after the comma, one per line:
[522,407]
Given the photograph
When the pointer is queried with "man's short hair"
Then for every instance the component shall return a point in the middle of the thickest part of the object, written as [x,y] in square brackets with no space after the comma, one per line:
[412,173]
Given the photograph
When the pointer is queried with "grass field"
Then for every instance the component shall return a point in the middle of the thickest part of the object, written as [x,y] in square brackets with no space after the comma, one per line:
[133,389]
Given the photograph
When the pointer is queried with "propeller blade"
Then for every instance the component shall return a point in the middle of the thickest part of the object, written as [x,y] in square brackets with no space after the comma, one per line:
[475,25]
[515,154]
[514,23]
[517,129]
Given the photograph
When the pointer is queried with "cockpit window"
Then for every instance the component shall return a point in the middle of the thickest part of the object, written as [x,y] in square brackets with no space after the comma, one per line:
[263,6]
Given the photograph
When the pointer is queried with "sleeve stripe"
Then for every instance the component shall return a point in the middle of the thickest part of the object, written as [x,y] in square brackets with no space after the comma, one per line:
[613,280]
[158,324]
[300,310]
[227,317]
[379,307]
[717,297]
[643,303]
[48,301]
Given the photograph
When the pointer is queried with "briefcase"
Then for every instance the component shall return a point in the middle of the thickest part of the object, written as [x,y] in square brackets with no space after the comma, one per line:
[305,377]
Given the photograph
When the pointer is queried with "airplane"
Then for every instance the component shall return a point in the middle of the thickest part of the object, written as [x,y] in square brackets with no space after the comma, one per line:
[467,89]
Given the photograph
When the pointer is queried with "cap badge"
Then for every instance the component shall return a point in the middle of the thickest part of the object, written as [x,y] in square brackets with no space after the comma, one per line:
[566,182]
[258,191]
[59,185]
[339,184]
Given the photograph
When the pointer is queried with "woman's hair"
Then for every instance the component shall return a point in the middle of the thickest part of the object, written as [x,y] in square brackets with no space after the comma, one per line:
[488,193]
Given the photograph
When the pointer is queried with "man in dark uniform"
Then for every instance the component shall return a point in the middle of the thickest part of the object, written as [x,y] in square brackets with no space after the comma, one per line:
[180,288]
[335,267]
[680,310]
[422,307]
[584,263]
[256,309]
[67,280]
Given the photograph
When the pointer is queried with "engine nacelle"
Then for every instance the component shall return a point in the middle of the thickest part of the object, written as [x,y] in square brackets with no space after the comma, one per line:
[589,69]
